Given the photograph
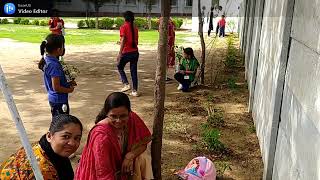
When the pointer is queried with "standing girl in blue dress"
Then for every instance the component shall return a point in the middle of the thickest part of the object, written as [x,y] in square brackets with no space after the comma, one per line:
[54,77]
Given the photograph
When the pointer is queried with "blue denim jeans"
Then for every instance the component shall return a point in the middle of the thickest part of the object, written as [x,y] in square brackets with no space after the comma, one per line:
[185,82]
[222,31]
[133,58]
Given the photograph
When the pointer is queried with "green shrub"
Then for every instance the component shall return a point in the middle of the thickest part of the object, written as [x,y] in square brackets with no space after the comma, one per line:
[154,24]
[16,20]
[211,137]
[35,22]
[25,21]
[81,24]
[141,23]
[4,21]
[105,23]
[232,83]
[118,22]
[231,58]
[231,25]
[43,23]
[90,23]
[177,22]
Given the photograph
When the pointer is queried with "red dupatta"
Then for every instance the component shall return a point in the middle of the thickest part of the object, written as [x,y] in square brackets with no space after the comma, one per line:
[138,132]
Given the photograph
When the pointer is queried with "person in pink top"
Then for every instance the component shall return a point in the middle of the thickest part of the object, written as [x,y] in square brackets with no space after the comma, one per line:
[222,26]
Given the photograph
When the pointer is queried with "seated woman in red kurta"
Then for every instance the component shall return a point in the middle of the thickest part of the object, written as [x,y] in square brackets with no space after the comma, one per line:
[116,144]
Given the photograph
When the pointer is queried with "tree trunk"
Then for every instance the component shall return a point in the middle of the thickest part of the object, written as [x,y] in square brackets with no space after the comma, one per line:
[203,45]
[97,18]
[159,90]
[149,21]
[149,14]
[97,22]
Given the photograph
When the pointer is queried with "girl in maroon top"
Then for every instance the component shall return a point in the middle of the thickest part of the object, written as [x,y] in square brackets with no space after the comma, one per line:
[129,53]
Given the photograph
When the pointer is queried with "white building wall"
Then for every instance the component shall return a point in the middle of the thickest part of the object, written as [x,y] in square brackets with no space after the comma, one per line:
[286,94]
[298,154]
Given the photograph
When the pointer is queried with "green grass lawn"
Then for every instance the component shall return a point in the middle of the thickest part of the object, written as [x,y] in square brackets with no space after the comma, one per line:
[35,34]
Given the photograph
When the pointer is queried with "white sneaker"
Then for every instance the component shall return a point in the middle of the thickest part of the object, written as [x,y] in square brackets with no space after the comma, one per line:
[179,87]
[134,93]
[126,88]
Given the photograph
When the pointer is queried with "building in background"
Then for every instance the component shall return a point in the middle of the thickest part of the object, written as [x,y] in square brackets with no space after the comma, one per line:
[230,8]
[117,7]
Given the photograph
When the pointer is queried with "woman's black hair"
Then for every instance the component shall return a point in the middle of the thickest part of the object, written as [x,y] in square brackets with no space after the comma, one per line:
[52,42]
[189,51]
[129,17]
[114,100]
[60,120]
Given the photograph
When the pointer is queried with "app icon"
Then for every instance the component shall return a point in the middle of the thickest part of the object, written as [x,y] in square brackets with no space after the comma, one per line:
[9,8]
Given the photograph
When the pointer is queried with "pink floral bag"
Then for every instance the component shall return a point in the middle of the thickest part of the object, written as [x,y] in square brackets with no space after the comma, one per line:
[199,168]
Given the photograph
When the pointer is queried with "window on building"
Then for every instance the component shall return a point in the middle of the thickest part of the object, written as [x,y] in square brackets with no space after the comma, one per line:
[151,2]
[189,2]
[63,1]
[174,2]
[154,2]
[131,1]
[110,1]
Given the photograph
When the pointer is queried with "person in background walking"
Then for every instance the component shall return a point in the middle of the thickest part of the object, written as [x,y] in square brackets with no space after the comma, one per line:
[222,26]
[129,53]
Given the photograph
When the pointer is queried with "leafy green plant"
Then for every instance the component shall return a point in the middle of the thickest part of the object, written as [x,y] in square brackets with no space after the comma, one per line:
[81,24]
[90,23]
[25,21]
[16,20]
[43,23]
[210,98]
[222,167]
[231,25]
[4,21]
[118,22]
[252,128]
[211,137]
[106,23]
[177,22]
[141,23]
[179,53]
[232,83]
[154,24]
[231,58]
[35,22]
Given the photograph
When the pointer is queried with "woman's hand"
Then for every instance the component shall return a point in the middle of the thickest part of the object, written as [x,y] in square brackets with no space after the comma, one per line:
[127,164]
[73,83]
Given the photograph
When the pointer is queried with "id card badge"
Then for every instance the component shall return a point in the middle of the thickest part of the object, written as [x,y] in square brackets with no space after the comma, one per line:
[186,77]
